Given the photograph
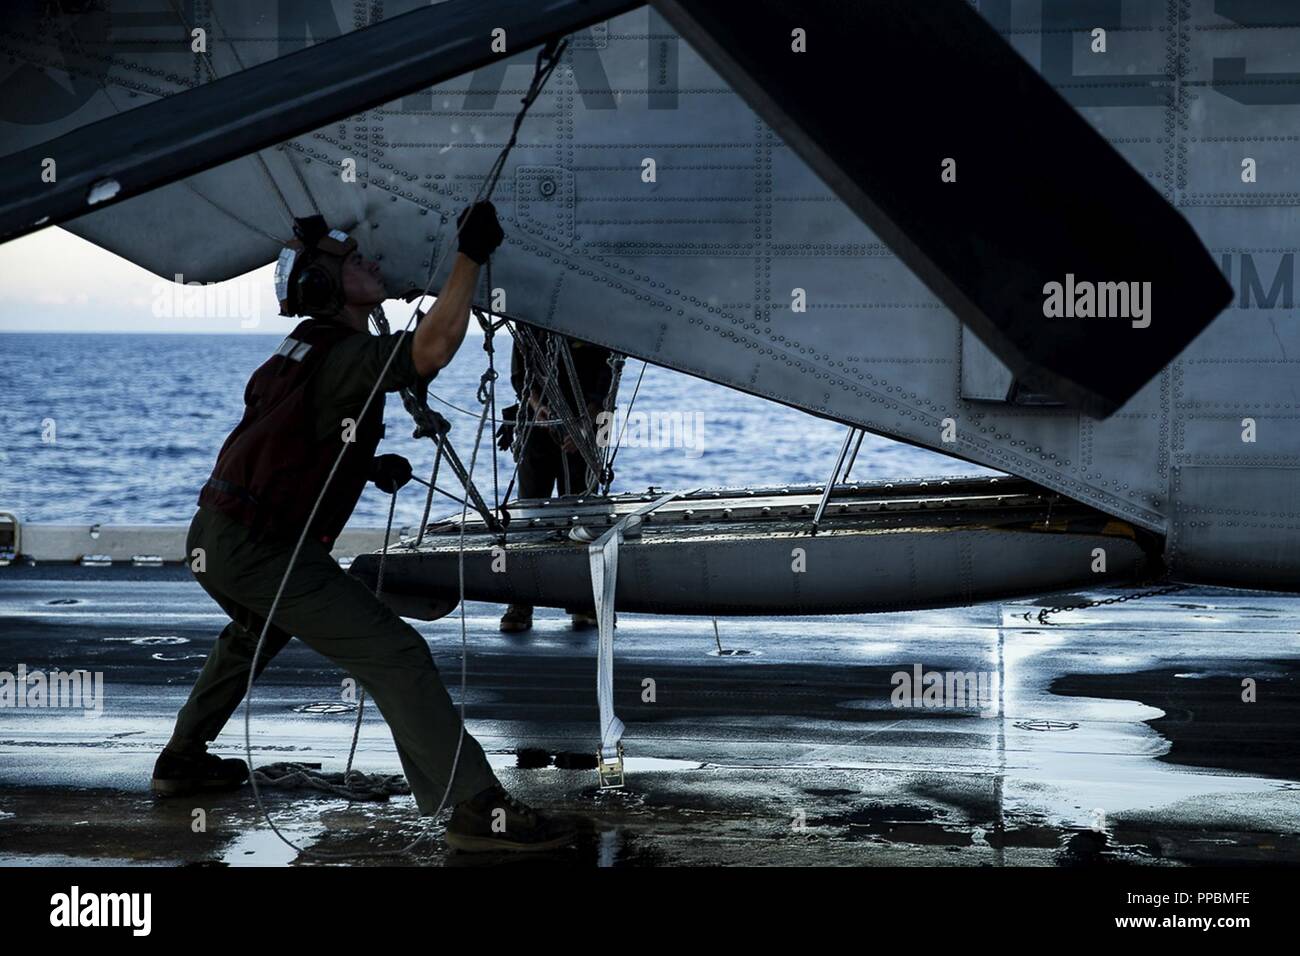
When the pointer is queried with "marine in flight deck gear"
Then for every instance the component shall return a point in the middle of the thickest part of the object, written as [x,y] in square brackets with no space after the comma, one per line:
[300,405]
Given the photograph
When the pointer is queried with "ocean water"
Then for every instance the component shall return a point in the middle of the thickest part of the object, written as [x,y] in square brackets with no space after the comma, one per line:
[125,428]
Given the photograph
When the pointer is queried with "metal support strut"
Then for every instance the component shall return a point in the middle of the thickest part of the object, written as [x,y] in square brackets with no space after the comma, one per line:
[841,470]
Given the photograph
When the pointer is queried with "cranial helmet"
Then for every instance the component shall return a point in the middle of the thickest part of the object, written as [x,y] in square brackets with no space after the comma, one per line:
[309,272]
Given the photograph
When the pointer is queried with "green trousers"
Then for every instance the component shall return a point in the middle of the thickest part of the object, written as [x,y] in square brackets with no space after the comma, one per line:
[336,615]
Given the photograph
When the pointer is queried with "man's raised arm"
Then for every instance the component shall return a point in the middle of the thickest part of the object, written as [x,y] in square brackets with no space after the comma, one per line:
[442,329]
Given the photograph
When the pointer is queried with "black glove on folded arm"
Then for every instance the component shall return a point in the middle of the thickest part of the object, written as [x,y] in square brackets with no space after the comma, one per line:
[480,233]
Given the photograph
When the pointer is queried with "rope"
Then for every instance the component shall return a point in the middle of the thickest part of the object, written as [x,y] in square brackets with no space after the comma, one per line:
[547,59]
[429,424]
[525,421]
[618,443]
[352,785]
[553,395]
[487,388]
[490,380]
[582,421]
[615,362]
[523,426]
[494,421]
[428,501]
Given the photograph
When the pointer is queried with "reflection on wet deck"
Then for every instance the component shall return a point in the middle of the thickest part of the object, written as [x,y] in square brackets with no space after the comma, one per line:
[1118,734]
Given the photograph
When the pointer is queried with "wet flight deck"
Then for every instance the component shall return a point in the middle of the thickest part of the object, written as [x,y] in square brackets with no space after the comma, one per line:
[1116,733]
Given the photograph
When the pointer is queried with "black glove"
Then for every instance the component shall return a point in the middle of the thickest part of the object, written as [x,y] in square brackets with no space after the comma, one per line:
[480,232]
[390,472]
[506,433]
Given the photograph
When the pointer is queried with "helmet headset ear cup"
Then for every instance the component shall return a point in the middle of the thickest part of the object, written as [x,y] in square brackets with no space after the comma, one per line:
[318,291]
[313,268]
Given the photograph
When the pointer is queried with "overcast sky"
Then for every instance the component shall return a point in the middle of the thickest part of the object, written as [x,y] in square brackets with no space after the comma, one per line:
[53,281]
